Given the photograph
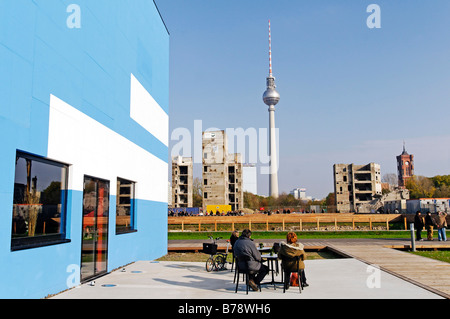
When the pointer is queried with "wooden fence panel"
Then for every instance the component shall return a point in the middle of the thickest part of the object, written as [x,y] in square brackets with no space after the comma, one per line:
[299,219]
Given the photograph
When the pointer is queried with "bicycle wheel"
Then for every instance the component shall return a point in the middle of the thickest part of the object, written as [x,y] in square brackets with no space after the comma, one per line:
[210,264]
[220,262]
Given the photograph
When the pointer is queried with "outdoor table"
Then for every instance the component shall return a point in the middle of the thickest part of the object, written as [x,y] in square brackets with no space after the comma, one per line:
[272,263]
[264,249]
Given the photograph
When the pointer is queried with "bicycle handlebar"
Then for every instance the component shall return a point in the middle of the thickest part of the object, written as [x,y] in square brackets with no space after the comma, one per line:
[212,238]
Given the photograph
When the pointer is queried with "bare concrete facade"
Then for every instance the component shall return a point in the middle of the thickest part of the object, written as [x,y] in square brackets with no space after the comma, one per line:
[182,182]
[235,185]
[356,185]
[222,172]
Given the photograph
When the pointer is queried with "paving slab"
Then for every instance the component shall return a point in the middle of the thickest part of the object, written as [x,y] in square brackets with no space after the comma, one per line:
[346,278]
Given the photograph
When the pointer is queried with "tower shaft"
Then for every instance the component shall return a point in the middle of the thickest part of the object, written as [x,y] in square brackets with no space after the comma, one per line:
[273,168]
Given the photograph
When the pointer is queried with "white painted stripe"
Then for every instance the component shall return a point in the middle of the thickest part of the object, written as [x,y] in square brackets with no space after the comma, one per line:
[93,149]
[147,112]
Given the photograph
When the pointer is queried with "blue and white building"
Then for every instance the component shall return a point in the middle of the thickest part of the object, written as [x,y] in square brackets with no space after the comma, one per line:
[84,104]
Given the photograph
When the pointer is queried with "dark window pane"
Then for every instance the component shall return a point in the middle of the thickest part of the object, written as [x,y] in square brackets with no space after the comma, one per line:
[39,199]
[125,206]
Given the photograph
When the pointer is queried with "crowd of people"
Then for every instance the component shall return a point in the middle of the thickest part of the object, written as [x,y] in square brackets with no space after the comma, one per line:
[176,213]
[439,222]
[288,211]
[173,213]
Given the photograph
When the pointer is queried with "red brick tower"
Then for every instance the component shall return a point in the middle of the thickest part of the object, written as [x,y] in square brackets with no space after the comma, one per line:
[405,167]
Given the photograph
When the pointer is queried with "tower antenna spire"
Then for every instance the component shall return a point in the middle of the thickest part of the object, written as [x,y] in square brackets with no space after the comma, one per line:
[270,50]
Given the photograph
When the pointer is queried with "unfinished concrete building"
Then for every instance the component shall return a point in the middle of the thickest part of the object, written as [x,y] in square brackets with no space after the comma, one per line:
[235,188]
[222,172]
[356,185]
[182,182]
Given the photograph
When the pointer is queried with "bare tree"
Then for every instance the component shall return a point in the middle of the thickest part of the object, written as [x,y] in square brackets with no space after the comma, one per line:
[391,179]
[197,192]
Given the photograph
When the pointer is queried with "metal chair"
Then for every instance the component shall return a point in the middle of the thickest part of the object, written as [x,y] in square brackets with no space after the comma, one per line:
[276,247]
[236,270]
[287,273]
[233,260]
[243,270]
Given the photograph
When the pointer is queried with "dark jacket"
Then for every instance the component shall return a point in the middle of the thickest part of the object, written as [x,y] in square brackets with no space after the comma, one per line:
[233,240]
[245,250]
[429,221]
[287,254]
[418,222]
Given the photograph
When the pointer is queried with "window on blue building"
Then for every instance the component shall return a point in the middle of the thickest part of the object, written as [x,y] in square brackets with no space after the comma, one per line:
[39,204]
[125,206]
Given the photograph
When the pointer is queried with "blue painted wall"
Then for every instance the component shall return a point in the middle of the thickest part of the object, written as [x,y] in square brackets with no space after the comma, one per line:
[89,68]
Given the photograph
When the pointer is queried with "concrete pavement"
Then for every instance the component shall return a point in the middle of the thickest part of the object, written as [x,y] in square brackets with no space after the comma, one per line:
[343,278]
[328,279]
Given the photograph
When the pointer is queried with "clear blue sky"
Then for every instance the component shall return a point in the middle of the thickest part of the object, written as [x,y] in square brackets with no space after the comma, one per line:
[349,94]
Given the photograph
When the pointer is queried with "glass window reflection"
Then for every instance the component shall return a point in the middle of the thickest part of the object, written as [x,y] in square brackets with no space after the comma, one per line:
[39,202]
[125,206]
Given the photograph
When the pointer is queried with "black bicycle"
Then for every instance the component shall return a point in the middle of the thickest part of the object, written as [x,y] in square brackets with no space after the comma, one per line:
[216,261]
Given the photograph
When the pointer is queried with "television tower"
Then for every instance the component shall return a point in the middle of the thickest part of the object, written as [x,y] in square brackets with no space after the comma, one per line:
[271,98]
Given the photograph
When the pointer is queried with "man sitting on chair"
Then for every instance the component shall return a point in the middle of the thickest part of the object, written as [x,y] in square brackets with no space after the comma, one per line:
[250,258]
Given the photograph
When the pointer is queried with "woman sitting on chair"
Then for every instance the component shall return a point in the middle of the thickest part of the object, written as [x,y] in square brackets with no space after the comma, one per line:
[288,252]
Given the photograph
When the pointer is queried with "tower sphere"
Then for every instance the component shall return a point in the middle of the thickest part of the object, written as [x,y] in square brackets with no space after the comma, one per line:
[271,97]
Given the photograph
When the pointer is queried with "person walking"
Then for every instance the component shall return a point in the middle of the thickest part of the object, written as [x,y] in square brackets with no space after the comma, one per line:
[429,225]
[418,225]
[249,258]
[441,225]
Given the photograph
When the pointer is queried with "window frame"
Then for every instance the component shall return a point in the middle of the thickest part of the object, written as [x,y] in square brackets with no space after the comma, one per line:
[24,243]
[133,208]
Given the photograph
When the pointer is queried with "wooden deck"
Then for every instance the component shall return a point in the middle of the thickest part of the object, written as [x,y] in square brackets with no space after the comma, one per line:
[427,273]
